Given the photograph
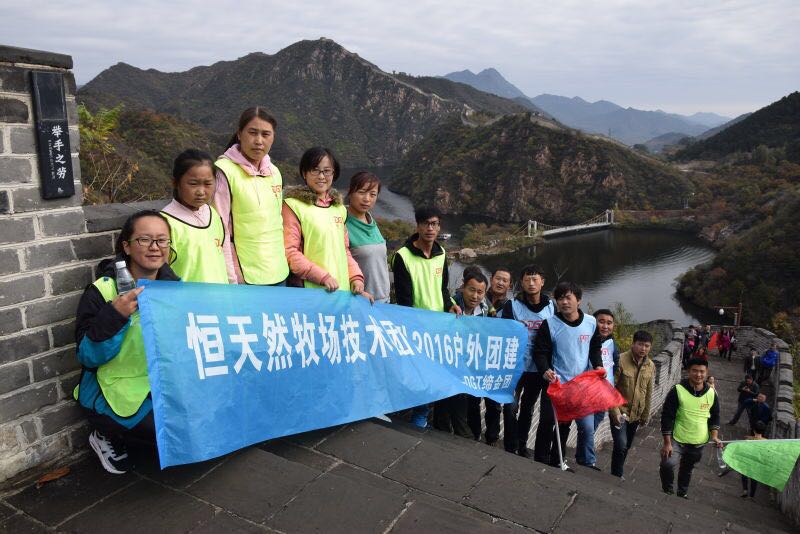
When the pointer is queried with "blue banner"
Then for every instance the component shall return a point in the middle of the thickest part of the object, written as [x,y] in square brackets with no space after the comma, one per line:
[234,365]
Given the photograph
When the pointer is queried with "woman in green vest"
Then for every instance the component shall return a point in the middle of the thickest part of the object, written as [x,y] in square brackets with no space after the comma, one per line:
[196,228]
[314,232]
[114,388]
[249,198]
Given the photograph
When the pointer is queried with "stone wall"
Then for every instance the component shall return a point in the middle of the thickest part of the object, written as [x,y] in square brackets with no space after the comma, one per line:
[784,425]
[46,260]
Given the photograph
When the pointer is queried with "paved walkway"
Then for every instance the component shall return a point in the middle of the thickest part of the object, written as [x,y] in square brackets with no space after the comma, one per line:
[376,477]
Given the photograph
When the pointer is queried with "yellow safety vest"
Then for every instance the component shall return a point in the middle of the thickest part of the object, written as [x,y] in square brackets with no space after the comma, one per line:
[257,231]
[123,380]
[426,279]
[198,250]
[323,238]
[691,419]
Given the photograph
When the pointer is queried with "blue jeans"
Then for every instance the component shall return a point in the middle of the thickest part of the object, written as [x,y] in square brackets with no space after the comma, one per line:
[623,441]
[584,450]
[598,418]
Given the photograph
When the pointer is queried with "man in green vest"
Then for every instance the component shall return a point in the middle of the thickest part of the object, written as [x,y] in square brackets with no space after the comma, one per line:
[421,277]
[690,418]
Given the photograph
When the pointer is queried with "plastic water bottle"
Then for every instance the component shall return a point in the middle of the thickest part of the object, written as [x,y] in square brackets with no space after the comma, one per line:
[720,461]
[125,281]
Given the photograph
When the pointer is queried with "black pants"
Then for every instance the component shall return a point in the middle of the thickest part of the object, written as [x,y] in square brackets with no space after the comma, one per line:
[749,485]
[450,415]
[492,418]
[623,441]
[517,417]
[142,435]
[686,456]
[546,448]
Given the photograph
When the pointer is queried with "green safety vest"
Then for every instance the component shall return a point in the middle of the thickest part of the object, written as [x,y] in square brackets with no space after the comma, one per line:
[323,238]
[691,420]
[257,231]
[426,279]
[123,380]
[198,250]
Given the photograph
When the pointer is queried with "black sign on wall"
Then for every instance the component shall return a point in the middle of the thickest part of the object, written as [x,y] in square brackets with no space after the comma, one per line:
[52,134]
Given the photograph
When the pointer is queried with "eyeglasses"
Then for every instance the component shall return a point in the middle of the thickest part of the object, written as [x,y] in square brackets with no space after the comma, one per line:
[147,241]
[327,173]
[430,224]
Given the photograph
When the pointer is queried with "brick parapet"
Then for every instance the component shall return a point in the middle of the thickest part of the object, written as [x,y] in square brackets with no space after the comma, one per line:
[47,257]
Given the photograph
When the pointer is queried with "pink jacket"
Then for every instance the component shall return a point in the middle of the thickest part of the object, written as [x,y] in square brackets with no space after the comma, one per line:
[301,266]
[222,203]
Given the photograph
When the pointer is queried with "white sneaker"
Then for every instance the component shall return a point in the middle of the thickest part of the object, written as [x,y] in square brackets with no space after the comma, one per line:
[113,456]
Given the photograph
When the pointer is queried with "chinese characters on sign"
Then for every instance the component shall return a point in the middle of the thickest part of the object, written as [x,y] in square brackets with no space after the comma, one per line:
[52,134]
[339,340]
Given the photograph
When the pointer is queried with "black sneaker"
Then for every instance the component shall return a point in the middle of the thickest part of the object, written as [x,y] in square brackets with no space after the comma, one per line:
[523,451]
[668,491]
[113,456]
[682,495]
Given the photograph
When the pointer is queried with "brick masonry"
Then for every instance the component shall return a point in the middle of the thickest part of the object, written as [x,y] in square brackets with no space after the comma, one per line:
[47,257]
[784,424]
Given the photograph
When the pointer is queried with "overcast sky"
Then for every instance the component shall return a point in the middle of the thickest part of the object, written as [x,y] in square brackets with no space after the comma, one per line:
[727,57]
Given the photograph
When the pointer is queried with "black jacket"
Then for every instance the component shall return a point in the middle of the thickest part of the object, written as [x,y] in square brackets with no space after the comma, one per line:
[403,287]
[99,319]
[670,408]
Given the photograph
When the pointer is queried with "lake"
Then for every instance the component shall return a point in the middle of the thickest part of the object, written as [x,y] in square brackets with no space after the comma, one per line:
[638,268]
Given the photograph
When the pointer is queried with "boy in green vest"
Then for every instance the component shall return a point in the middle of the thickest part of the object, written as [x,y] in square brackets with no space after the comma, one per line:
[421,277]
[690,418]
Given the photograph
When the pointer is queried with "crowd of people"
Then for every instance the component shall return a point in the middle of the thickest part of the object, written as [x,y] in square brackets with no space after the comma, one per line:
[232,221]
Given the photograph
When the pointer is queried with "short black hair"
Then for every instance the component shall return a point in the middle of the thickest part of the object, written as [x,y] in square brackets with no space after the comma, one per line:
[564,288]
[604,311]
[748,375]
[641,335]
[478,277]
[470,269]
[424,213]
[313,156]
[530,270]
[697,361]
[503,269]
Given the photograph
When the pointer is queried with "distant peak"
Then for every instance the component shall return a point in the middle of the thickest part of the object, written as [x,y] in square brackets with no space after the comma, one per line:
[491,71]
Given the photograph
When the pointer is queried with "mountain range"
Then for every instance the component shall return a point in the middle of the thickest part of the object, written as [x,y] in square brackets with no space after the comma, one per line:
[319,92]
[629,125]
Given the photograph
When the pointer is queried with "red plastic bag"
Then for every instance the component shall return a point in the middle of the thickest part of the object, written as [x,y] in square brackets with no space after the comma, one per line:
[714,341]
[585,394]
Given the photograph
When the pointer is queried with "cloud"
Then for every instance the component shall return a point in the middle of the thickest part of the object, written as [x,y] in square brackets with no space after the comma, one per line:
[725,56]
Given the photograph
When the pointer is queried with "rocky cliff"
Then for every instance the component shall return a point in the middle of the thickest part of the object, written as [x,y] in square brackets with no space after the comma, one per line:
[515,169]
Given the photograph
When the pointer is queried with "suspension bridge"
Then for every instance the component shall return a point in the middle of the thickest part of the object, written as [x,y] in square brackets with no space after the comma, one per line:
[603,220]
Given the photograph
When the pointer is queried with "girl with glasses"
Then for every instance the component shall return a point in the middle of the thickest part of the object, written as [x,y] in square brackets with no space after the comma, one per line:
[314,232]
[114,388]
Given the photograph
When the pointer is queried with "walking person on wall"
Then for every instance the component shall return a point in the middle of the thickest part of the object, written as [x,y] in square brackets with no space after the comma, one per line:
[249,199]
[689,419]
[633,378]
